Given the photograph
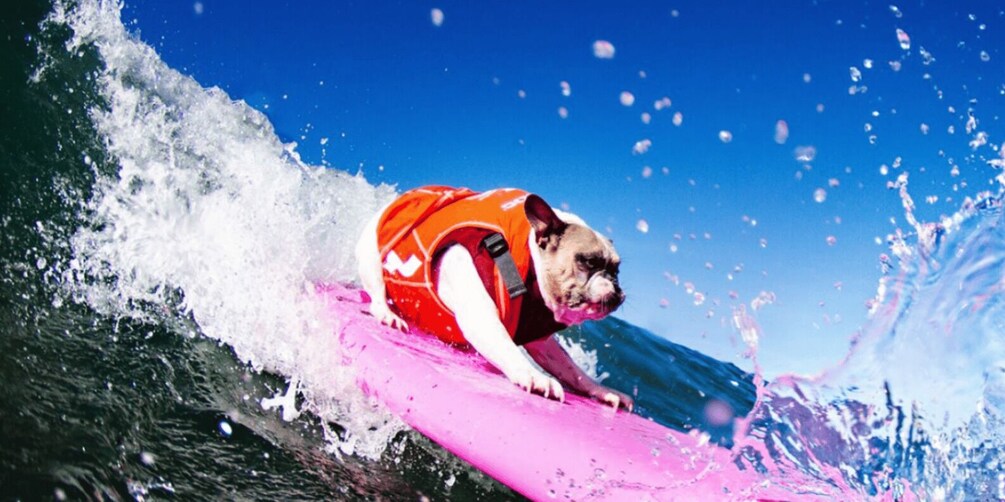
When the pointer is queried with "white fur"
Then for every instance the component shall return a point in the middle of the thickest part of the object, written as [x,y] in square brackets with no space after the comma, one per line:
[461,290]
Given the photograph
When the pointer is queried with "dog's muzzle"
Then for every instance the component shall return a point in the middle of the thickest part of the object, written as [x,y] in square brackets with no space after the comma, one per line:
[605,292]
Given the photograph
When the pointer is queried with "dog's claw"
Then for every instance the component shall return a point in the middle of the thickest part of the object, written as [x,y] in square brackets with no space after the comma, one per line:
[613,398]
[533,381]
[388,318]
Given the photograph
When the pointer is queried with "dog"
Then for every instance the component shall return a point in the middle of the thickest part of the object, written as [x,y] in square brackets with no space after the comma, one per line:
[493,270]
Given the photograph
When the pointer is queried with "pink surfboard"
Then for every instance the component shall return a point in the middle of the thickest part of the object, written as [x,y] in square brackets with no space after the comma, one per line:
[543,449]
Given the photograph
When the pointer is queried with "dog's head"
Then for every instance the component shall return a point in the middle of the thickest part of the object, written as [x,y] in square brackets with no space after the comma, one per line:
[577,267]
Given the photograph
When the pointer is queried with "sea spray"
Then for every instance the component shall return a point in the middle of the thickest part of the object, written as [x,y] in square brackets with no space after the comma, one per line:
[203,213]
[916,406]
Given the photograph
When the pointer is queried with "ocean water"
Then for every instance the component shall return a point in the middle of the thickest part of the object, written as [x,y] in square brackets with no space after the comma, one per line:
[159,241]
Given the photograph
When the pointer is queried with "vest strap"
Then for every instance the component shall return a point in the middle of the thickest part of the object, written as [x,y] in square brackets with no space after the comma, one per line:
[496,245]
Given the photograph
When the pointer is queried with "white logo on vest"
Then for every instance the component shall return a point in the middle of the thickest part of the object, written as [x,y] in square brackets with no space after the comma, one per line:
[393,264]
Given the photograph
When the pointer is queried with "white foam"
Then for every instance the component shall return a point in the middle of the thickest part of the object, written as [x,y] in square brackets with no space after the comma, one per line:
[207,200]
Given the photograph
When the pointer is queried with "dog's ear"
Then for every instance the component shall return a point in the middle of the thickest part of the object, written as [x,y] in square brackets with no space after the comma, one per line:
[542,219]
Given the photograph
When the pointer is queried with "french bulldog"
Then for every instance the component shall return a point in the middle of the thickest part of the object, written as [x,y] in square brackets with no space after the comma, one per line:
[576,275]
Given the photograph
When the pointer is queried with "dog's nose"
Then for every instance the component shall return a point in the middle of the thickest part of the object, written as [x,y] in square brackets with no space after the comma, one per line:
[604,287]
[617,298]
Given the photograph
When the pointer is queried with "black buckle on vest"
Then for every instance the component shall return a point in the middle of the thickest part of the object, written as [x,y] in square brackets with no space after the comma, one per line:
[499,251]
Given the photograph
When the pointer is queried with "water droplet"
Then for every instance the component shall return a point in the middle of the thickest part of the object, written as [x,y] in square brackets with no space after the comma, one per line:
[819,195]
[895,65]
[646,118]
[699,299]
[903,39]
[521,94]
[603,49]
[762,299]
[924,128]
[642,226]
[566,88]
[807,77]
[642,146]
[225,428]
[805,153]
[647,171]
[563,112]
[980,139]
[41,263]
[147,458]
[831,240]
[855,73]
[627,98]
[763,242]
[725,136]
[436,15]
[971,123]
[867,64]
[781,132]
[985,56]
[678,119]
[198,8]
[662,103]
[718,413]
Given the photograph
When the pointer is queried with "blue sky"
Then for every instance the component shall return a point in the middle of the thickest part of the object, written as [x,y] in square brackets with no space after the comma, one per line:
[475,102]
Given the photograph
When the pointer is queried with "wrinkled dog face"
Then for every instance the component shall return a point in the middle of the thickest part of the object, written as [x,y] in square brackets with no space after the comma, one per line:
[579,266]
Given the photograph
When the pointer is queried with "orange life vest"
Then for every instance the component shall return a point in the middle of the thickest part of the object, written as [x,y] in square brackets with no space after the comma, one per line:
[417,227]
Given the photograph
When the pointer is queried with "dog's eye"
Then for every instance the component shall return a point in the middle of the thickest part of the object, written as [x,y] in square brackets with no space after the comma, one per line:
[591,263]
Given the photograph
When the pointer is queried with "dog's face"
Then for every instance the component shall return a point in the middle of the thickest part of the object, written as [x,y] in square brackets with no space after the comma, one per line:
[578,267]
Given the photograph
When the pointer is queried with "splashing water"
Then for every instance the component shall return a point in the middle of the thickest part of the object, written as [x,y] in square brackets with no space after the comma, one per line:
[209,213]
[874,424]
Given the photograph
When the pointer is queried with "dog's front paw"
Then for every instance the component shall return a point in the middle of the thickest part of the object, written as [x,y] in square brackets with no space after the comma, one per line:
[615,399]
[386,317]
[536,382]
